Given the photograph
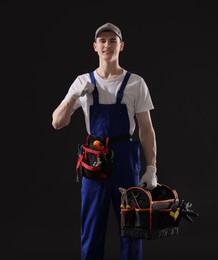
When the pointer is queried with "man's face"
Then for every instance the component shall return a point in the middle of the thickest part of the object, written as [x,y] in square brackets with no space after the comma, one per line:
[108,45]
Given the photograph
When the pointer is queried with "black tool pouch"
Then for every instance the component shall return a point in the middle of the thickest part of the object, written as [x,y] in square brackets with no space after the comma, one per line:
[149,214]
[153,214]
[95,159]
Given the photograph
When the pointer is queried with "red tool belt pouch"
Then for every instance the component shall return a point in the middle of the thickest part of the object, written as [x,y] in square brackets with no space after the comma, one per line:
[148,215]
[95,159]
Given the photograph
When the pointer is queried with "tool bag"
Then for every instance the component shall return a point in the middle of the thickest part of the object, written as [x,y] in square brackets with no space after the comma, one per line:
[95,159]
[153,214]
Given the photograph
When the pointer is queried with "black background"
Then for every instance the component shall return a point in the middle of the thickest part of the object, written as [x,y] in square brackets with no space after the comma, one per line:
[45,45]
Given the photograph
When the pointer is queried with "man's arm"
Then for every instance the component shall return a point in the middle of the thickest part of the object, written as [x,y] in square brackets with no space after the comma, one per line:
[62,114]
[147,137]
[148,142]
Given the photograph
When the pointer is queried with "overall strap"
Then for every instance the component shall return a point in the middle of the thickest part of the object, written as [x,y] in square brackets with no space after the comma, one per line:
[92,77]
[95,92]
[123,85]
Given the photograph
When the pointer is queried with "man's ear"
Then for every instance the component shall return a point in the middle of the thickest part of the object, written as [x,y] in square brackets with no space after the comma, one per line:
[94,46]
[121,46]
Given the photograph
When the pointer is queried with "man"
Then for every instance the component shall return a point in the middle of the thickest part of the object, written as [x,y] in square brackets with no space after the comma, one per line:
[111,97]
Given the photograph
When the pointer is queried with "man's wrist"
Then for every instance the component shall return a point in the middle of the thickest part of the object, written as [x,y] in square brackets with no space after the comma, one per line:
[152,169]
[151,166]
[75,96]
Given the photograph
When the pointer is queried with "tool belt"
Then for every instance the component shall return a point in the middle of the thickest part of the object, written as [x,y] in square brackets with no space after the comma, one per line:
[95,159]
[152,214]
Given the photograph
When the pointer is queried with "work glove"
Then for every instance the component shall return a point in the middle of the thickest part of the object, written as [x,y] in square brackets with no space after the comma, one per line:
[86,87]
[149,178]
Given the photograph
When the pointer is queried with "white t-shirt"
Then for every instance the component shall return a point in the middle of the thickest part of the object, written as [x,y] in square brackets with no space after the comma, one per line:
[136,95]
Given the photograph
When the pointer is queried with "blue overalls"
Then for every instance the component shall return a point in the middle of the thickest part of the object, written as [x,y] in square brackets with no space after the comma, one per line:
[109,120]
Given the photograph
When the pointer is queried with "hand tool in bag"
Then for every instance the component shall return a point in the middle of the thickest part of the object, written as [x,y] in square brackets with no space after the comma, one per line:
[124,200]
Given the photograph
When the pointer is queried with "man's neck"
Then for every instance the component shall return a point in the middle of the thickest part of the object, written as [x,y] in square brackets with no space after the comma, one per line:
[109,73]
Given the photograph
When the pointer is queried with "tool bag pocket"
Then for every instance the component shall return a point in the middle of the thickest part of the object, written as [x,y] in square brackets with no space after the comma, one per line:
[162,219]
[95,159]
[142,218]
[128,218]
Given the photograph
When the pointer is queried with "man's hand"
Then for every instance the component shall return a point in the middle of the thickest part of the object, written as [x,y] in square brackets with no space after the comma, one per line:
[86,87]
[149,178]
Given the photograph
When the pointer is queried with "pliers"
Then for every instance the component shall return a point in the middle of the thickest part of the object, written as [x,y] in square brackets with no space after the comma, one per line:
[124,199]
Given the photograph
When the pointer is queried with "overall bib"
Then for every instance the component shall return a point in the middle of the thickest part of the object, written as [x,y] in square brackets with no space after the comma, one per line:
[110,120]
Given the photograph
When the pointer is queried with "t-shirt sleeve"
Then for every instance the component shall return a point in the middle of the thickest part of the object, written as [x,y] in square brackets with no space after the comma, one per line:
[143,100]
